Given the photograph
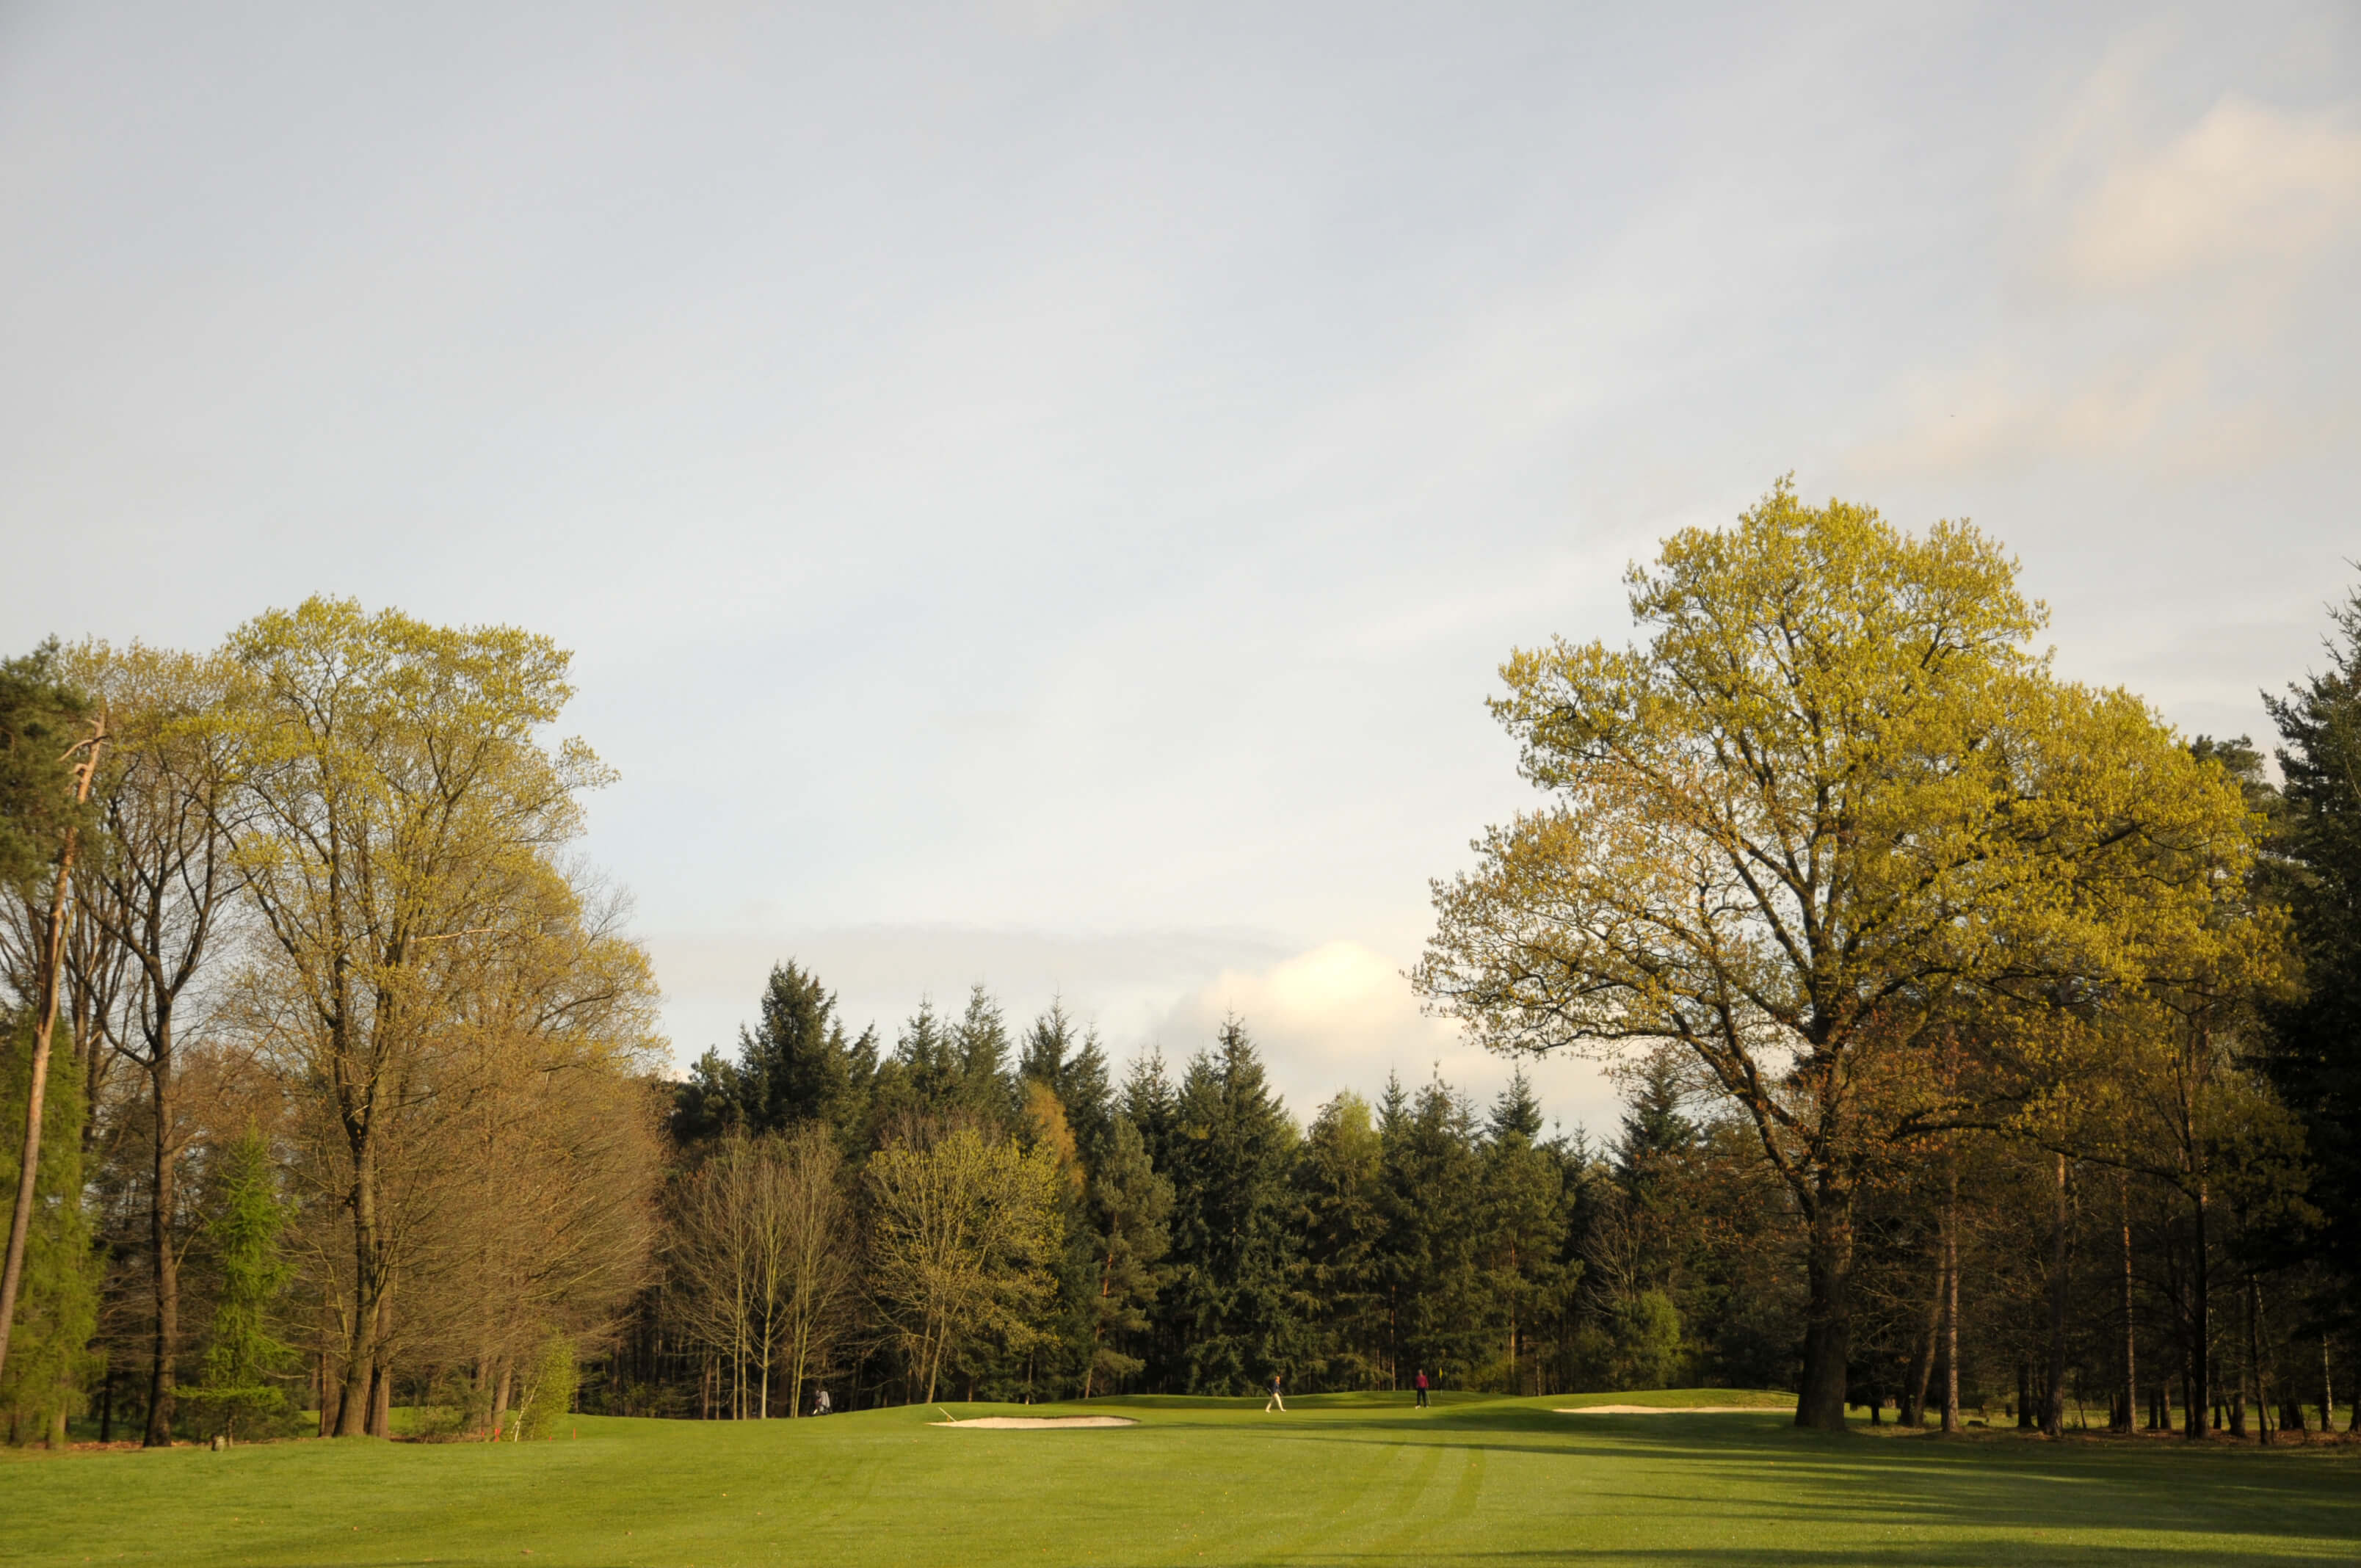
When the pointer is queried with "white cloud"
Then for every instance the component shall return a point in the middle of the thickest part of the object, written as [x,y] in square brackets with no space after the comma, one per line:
[2246,184]
[2150,275]
[1342,1017]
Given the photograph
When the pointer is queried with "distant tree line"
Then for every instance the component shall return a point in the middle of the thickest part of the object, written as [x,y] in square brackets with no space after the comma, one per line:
[1986,1047]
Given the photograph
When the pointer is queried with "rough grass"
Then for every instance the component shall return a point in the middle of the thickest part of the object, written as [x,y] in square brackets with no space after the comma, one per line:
[1358,1480]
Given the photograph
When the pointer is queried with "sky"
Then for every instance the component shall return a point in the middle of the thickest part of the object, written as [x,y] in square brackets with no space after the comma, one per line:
[1039,490]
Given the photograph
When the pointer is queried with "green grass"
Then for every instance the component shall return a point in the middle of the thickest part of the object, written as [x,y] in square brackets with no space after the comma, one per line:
[1347,1480]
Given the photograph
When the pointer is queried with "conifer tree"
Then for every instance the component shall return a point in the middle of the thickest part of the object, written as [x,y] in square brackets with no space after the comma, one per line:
[983,1084]
[1232,1299]
[1340,1217]
[2316,1060]
[1129,1210]
[57,1305]
[1431,1184]
[793,1066]
[238,1397]
[1074,1067]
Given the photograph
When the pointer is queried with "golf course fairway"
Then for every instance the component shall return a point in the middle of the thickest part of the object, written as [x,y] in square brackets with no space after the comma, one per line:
[1363,1480]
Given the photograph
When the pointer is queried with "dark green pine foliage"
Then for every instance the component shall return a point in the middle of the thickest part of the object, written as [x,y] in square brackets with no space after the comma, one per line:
[1074,1067]
[1655,1134]
[1232,1303]
[793,1066]
[57,1304]
[1340,1217]
[1527,1220]
[1153,1106]
[41,721]
[919,1083]
[983,1084]
[1128,1235]
[1431,1184]
[2316,1058]
[241,1394]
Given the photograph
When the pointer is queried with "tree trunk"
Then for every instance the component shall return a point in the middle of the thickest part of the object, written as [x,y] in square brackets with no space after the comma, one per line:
[45,1025]
[167,1281]
[1827,1336]
[2327,1391]
[2255,1358]
[381,1421]
[2024,1395]
[2201,1327]
[2123,1304]
[1922,1372]
[369,1287]
[2053,1406]
[1951,1297]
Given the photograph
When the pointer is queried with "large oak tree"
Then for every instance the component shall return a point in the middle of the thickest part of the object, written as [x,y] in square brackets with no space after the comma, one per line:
[1835,796]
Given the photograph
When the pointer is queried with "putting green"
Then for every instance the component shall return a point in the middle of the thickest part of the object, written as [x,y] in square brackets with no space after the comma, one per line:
[1358,1480]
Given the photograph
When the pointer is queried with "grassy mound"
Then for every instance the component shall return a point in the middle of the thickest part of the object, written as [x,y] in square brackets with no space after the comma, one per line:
[1363,1480]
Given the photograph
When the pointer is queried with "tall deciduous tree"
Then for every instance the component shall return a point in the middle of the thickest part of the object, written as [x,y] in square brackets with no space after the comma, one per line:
[404,808]
[963,1232]
[170,799]
[1832,794]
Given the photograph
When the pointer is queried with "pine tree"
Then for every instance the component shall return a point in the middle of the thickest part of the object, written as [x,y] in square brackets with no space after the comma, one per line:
[793,1066]
[1654,1131]
[1128,1235]
[238,1397]
[982,1082]
[2316,1060]
[57,1307]
[1075,1067]
[1527,1219]
[1232,1304]
[1152,1106]
[1339,1216]
[1431,1182]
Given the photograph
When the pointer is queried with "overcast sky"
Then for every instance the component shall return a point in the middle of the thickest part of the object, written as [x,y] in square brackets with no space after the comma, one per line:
[1039,490]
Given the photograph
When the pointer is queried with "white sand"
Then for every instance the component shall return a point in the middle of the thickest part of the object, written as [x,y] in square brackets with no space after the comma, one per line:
[1667,1411]
[1007,1421]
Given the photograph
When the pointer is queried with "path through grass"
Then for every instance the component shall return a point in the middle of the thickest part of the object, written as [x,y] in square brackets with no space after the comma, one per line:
[1362,1481]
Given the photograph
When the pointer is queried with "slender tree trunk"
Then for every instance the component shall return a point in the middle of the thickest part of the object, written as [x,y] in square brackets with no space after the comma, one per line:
[2024,1395]
[1951,1297]
[1922,1371]
[2255,1358]
[2053,1405]
[160,1203]
[2327,1391]
[45,1023]
[1827,1336]
[2201,1326]
[2124,1305]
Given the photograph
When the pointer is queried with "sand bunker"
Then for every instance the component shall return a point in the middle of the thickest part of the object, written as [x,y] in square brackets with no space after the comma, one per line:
[1667,1411]
[1032,1421]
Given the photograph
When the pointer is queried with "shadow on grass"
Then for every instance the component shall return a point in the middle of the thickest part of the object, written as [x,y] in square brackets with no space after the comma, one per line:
[1821,1479]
